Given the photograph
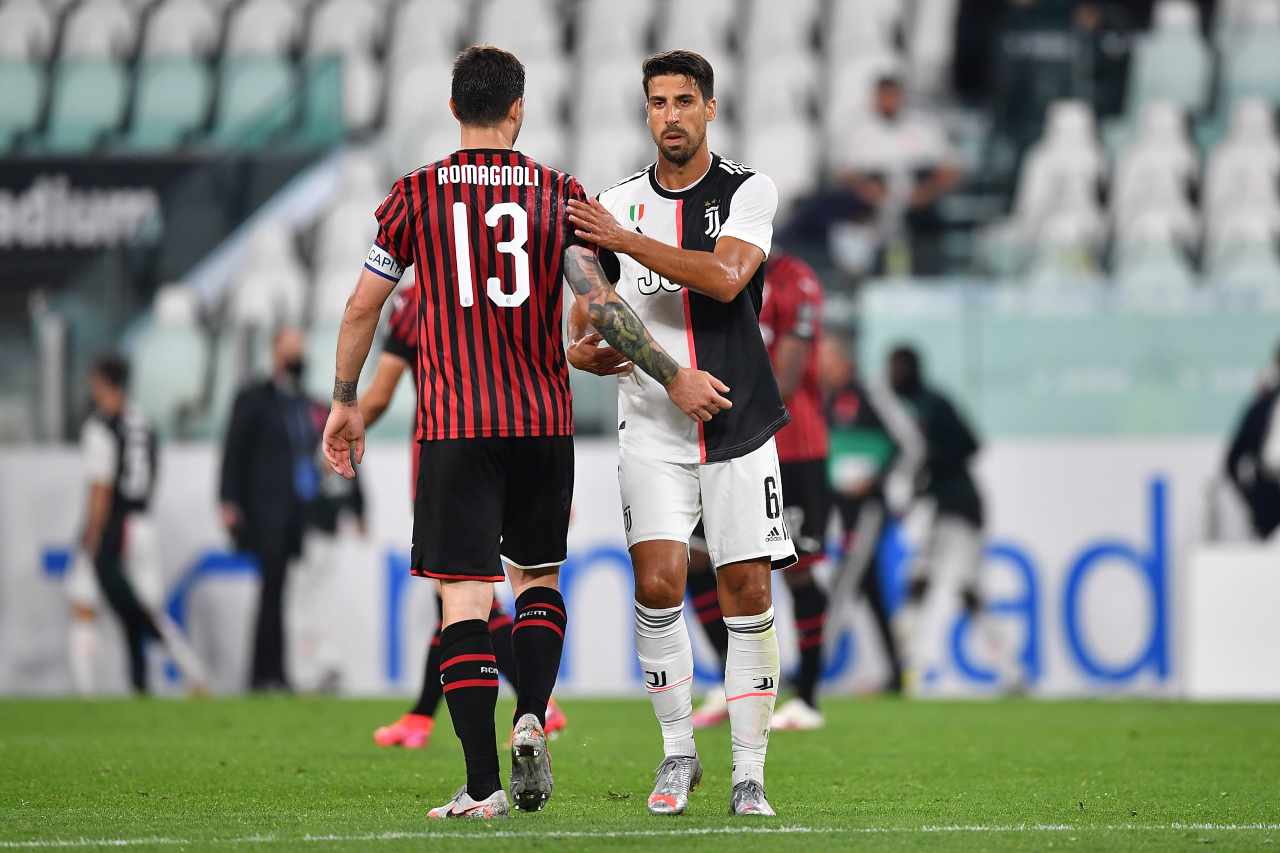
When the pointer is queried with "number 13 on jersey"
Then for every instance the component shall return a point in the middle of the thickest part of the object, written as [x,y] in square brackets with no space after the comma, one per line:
[513,247]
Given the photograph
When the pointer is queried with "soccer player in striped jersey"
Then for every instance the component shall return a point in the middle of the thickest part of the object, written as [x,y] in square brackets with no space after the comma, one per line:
[689,236]
[486,230]
[399,355]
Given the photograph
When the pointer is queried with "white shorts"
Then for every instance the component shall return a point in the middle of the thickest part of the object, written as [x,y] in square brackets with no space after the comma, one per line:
[140,564]
[739,502]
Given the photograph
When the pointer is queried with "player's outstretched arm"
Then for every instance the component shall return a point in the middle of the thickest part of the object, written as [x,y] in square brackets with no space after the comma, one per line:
[344,431]
[377,397]
[696,392]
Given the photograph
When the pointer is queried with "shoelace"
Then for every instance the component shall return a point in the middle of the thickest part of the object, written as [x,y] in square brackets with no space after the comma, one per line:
[674,769]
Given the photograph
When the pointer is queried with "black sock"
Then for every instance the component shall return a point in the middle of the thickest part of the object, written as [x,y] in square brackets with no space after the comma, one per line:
[537,639]
[706,602]
[500,631]
[809,603]
[429,698]
[470,681]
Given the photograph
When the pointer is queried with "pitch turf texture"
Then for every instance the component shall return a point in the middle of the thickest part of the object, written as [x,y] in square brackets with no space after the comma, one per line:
[303,774]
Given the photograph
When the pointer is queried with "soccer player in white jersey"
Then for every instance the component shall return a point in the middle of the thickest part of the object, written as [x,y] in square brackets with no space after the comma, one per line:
[687,238]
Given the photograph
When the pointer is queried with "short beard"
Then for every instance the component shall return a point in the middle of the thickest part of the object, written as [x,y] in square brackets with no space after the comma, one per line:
[684,155]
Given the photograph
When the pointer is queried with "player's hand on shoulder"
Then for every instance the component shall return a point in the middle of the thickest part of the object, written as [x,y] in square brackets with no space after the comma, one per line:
[593,223]
[343,433]
[589,355]
[698,394]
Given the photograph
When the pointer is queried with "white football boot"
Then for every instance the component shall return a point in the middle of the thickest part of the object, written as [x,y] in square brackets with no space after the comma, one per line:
[797,715]
[462,805]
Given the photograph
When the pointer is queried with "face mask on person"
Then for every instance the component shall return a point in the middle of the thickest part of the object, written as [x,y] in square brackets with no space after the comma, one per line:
[295,368]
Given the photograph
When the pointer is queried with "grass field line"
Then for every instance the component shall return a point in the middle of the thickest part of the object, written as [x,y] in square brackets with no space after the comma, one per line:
[485,835]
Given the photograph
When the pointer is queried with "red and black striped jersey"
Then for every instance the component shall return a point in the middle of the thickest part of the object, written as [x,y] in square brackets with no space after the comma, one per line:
[485,230]
[402,331]
[793,308]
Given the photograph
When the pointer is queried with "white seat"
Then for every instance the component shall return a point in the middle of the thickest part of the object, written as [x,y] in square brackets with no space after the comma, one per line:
[181,28]
[345,234]
[420,96]
[1250,67]
[1160,270]
[779,29]
[26,30]
[361,90]
[606,155]
[930,45]
[545,144]
[1066,162]
[528,28]
[789,155]
[426,31]
[863,25]
[271,288]
[611,94]
[330,293]
[364,174]
[1233,19]
[346,27]
[778,92]
[545,82]
[1154,180]
[1235,232]
[100,29]
[1173,221]
[1244,168]
[264,28]
[609,31]
[1065,249]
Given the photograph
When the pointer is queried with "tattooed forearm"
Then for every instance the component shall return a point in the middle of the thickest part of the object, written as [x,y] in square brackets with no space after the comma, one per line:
[344,392]
[614,319]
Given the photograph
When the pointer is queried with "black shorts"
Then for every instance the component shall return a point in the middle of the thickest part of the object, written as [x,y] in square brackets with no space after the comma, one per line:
[806,501]
[481,499]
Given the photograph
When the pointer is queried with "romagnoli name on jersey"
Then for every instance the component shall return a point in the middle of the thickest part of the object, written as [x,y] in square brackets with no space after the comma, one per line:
[482,175]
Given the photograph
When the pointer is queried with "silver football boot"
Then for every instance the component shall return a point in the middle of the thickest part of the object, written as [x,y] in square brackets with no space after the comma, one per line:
[677,776]
[530,765]
[462,805]
[748,799]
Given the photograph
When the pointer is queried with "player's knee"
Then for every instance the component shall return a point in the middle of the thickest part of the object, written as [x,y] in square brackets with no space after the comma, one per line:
[744,592]
[659,588]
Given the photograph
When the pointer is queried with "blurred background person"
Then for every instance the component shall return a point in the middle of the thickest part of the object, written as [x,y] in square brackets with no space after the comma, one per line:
[879,213]
[1253,459]
[118,557]
[269,477]
[876,455]
[950,558]
[315,662]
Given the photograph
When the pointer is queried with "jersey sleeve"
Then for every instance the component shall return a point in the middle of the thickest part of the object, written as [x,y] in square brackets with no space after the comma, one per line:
[402,334]
[392,249]
[98,452]
[751,212]
[806,318]
[573,192]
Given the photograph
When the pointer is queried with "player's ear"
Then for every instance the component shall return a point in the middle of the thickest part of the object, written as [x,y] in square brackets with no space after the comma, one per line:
[516,113]
[711,109]
[453,108]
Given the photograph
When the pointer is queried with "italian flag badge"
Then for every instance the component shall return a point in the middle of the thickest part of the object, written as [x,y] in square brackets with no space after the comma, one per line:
[635,212]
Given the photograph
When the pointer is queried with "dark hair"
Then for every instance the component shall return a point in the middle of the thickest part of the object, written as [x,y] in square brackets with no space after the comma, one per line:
[906,356]
[113,369]
[486,82]
[684,63]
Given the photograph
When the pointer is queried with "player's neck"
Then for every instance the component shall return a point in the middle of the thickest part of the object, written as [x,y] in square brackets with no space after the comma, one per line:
[678,177]
[497,136]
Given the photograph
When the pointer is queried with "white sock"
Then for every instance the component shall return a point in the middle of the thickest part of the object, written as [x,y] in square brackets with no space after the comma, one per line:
[751,674]
[82,646]
[666,656]
[183,655]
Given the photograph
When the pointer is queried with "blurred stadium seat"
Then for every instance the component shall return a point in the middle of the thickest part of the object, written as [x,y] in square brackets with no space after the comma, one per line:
[88,101]
[182,28]
[24,87]
[1171,63]
[172,100]
[264,28]
[100,29]
[26,30]
[252,94]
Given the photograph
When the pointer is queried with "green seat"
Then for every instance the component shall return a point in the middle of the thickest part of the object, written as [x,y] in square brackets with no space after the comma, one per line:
[257,99]
[1170,67]
[89,98]
[23,88]
[1252,71]
[172,100]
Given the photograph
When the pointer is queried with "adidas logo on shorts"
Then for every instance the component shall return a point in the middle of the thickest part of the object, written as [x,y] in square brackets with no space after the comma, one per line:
[775,535]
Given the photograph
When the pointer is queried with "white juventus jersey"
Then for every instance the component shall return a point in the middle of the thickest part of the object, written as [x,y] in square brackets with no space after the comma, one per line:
[731,200]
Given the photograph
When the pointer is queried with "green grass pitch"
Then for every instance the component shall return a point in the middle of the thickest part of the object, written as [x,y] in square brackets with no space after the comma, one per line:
[286,774]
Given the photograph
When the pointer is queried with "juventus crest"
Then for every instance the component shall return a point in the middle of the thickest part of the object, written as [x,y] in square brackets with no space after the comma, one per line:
[712,215]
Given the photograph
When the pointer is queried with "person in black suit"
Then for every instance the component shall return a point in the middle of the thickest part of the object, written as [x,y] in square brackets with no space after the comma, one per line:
[269,479]
[1257,483]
